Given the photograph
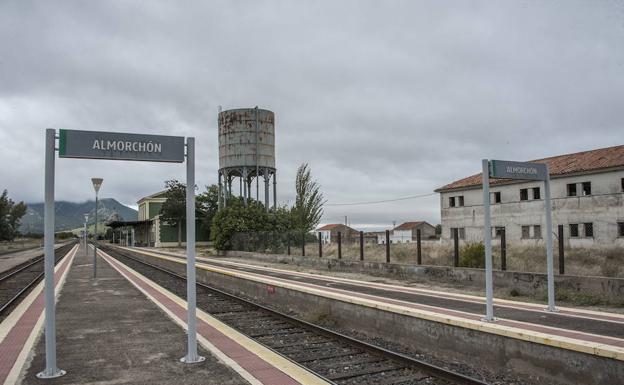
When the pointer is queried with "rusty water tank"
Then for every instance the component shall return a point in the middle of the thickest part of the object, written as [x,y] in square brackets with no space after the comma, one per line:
[246,138]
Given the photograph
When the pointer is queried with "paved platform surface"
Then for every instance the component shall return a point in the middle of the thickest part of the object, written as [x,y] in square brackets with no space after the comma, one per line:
[591,332]
[108,332]
[10,260]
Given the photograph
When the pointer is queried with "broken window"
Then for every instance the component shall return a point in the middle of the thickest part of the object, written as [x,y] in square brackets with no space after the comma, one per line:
[497,197]
[621,228]
[589,230]
[462,233]
[622,182]
[571,189]
[524,194]
[586,186]
[536,193]
[451,201]
[537,232]
[461,200]
[574,233]
[525,232]
[498,231]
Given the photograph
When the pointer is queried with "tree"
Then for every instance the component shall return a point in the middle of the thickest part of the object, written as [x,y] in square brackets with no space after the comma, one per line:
[207,205]
[308,208]
[173,211]
[10,215]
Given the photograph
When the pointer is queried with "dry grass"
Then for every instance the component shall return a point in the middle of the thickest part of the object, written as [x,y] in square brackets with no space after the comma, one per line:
[20,243]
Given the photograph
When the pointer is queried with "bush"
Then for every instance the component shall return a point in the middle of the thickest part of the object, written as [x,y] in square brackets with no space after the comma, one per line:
[472,255]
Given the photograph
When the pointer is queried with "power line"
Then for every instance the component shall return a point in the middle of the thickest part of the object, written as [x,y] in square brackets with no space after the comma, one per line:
[382,201]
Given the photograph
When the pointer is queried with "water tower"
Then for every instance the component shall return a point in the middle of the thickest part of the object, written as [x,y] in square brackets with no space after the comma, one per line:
[246,153]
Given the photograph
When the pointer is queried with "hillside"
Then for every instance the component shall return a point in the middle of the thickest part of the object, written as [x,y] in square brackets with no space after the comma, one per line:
[70,215]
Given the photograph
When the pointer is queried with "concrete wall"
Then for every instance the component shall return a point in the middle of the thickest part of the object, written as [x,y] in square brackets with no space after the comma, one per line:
[538,364]
[606,289]
[604,208]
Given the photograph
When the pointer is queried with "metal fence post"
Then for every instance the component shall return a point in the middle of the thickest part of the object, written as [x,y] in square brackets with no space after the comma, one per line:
[418,248]
[503,246]
[561,251]
[361,245]
[388,246]
[303,245]
[455,247]
[339,245]
[320,245]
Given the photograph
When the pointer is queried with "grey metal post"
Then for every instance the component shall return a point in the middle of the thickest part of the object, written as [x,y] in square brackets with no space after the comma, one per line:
[487,232]
[86,238]
[191,355]
[50,371]
[339,245]
[549,243]
[257,156]
[95,241]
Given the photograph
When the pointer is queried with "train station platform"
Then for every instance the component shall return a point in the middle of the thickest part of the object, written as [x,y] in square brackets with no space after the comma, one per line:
[594,339]
[122,328]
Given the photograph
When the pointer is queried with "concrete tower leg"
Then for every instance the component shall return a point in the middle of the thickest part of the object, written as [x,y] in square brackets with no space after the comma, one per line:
[275,190]
[266,175]
[225,194]
[219,194]
[246,186]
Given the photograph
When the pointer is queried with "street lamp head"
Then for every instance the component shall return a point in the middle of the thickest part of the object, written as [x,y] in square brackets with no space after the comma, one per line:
[97,182]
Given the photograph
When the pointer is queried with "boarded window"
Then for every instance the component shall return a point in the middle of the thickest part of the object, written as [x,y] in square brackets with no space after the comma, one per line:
[622,184]
[525,232]
[536,193]
[451,201]
[589,230]
[574,230]
[621,228]
[586,188]
[497,197]
[524,194]
[460,200]
[537,232]
[571,187]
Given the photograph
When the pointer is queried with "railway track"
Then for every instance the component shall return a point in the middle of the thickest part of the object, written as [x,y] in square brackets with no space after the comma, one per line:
[335,357]
[17,282]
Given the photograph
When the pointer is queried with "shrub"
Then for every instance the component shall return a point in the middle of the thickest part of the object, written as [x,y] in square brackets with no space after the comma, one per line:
[472,255]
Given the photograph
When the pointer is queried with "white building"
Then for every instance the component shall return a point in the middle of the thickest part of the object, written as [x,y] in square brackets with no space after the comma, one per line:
[587,190]
[406,232]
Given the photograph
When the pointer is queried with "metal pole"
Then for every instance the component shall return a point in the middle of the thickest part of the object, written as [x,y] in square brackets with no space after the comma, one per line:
[487,230]
[561,250]
[288,242]
[50,371]
[418,248]
[86,240]
[549,244]
[361,245]
[456,247]
[96,238]
[303,245]
[257,155]
[339,245]
[191,355]
[320,245]
[388,246]
[503,250]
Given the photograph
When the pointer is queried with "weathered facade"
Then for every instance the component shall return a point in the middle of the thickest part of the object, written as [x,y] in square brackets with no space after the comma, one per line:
[329,233]
[587,191]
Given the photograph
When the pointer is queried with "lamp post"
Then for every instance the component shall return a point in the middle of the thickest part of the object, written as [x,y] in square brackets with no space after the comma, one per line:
[97,183]
[86,236]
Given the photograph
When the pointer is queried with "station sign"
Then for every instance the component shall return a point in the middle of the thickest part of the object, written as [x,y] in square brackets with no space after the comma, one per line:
[120,146]
[518,170]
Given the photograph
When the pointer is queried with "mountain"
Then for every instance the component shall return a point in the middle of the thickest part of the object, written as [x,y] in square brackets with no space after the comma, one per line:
[70,215]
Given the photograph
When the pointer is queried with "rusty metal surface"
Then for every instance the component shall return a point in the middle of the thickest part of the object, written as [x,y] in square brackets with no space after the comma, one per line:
[237,138]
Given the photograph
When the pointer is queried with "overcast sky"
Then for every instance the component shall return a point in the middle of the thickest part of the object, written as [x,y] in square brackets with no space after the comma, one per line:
[383,99]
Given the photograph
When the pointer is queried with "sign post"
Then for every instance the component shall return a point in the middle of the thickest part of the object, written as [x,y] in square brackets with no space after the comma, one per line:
[519,171]
[114,146]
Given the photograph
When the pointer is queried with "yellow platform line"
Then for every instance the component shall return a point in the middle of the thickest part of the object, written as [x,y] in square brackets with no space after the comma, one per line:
[288,367]
[603,350]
